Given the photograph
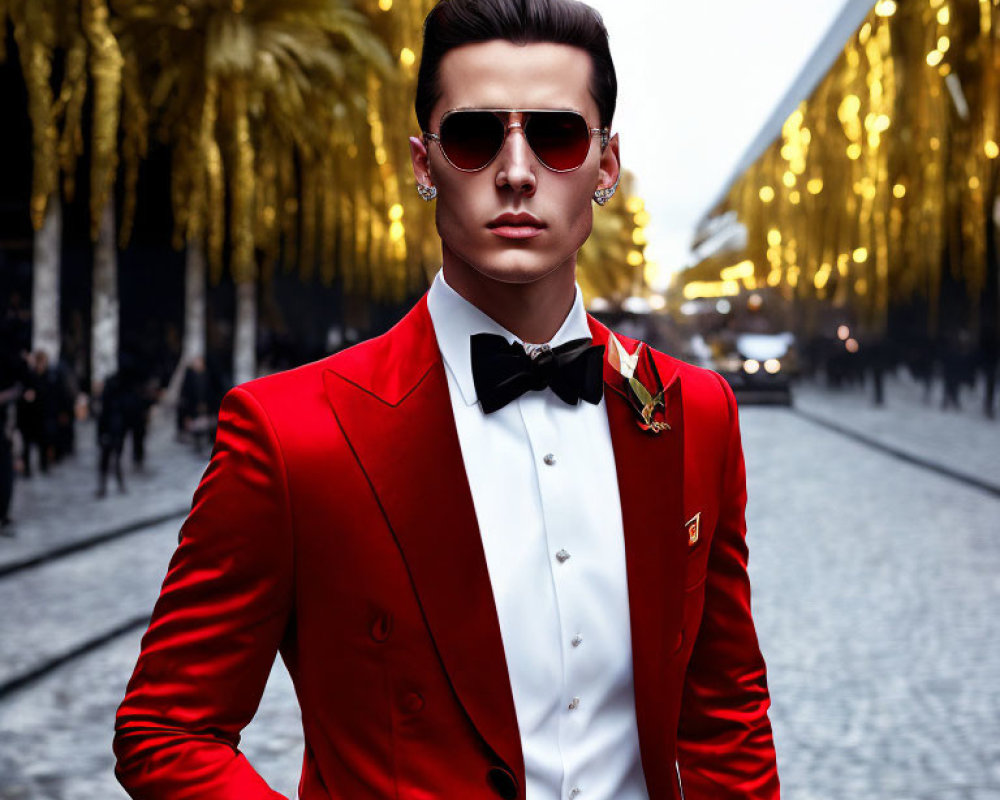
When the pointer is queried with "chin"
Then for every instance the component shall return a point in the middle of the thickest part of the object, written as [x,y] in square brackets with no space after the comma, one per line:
[514,267]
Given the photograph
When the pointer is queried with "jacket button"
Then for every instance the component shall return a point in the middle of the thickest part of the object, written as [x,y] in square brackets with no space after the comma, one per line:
[381,627]
[413,702]
[503,782]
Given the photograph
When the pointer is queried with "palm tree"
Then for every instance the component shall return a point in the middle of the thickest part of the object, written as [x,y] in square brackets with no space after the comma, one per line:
[251,95]
[35,34]
[92,58]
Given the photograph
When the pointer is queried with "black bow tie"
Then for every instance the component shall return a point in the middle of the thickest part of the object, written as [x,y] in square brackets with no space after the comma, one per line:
[502,371]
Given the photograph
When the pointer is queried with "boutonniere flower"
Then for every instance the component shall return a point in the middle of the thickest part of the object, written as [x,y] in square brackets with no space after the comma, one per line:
[640,384]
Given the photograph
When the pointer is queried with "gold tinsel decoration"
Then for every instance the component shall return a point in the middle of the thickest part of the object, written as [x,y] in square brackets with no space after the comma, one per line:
[886,176]
[244,91]
[93,58]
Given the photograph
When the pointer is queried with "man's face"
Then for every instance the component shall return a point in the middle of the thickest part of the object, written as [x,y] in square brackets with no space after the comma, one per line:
[500,74]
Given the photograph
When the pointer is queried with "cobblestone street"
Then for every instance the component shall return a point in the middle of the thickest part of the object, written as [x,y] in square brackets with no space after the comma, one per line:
[876,589]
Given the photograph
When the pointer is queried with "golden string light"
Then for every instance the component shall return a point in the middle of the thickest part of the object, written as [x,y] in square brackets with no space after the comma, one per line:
[872,195]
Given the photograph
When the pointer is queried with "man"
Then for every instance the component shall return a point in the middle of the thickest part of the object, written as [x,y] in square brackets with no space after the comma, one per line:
[500,550]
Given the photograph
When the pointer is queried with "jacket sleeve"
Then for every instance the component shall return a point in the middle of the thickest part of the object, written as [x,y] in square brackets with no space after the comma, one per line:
[216,626]
[725,749]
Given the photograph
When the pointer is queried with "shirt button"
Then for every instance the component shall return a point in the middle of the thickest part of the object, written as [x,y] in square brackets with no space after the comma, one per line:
[562,556]
[574,704]
[577,640]
[574,792]
[549,459]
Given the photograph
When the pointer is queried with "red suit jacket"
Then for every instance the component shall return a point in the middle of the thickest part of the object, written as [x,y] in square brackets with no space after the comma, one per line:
[335,525]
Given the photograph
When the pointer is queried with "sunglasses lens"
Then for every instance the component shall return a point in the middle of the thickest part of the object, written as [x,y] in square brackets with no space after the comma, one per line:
[560,139]
[471,139]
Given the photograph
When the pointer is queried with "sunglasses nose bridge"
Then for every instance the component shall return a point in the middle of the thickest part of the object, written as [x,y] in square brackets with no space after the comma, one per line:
[516,159]
[514,135]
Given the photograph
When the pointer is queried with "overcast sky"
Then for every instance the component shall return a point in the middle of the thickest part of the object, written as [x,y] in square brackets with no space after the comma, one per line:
[697,80]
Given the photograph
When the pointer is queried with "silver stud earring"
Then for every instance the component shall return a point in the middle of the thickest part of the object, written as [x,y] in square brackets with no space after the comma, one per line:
[428,193]
[602,196]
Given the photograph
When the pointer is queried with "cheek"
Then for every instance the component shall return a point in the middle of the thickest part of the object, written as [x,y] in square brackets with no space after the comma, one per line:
[457,209]
[578,215]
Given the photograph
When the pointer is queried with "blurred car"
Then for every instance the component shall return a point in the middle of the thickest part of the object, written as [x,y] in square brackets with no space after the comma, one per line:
[758,366]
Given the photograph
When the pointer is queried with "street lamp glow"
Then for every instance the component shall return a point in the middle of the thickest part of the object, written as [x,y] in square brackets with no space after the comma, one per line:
[737,272]
[772,366]
[843,333]
[751,366]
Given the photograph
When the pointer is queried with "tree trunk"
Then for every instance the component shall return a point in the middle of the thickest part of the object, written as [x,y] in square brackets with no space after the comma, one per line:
[194,303]
[245,335]
[45,334]
[104,303]
[195,316]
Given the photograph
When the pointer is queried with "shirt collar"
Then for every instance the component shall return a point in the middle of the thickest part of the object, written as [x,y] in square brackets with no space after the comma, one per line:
[455,320]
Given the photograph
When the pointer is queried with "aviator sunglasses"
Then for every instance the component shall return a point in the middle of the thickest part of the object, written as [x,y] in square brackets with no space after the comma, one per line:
[470,138]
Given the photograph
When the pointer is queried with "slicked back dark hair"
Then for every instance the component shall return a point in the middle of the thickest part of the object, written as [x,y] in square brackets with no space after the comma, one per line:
[453,23]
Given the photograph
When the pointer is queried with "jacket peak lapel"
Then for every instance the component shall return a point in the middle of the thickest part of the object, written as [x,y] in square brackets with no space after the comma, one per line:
[394,409]
[650,469]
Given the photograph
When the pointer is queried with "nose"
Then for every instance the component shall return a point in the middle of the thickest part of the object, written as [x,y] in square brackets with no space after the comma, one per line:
[516,163]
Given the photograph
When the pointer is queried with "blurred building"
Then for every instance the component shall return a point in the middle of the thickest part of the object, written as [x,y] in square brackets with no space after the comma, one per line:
[871,197]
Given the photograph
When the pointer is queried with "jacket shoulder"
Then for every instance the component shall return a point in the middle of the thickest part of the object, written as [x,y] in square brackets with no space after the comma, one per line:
[387,365]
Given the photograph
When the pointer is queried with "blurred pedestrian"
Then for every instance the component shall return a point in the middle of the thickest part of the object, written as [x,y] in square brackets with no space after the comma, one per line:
[64,388]
[12,368]
[6,457]
[989,360]
[193,411]
[139,393]
[957,369]
[111,421]
[36,419]
[10,389]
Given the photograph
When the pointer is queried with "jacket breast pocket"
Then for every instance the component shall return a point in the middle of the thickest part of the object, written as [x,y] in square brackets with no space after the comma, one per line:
[697,533]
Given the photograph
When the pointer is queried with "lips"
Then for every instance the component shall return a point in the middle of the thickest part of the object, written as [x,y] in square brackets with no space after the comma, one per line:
[517,226]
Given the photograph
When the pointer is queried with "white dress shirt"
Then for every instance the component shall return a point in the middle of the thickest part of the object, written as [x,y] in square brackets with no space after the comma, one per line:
[545,491]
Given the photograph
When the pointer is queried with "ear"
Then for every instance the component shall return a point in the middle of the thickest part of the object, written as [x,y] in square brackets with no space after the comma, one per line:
[420,160]
[610,164]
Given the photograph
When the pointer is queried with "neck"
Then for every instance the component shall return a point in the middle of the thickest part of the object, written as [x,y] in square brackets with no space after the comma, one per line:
[533,311]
